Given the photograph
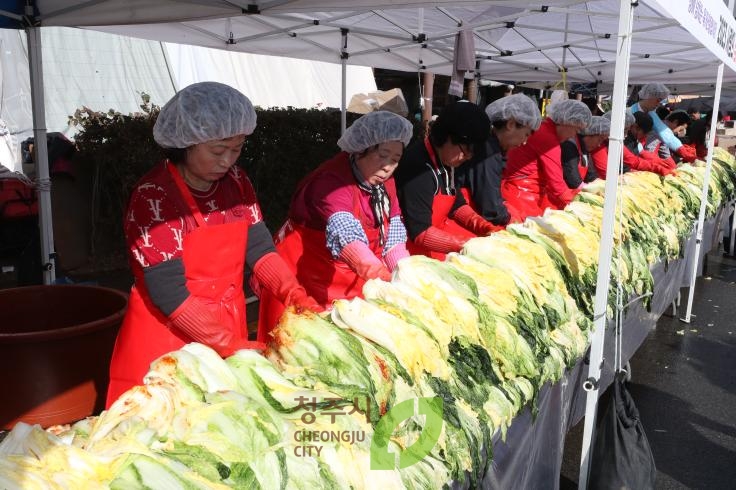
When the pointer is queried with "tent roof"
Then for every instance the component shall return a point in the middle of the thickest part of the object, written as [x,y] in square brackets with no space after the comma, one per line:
[546,42]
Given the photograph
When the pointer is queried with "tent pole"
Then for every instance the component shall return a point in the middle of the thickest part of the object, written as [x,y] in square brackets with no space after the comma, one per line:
[344,82]
[428,91]
[165,54]
[695,259]
[732,236]
[48,255]
[615,152]
[473,90]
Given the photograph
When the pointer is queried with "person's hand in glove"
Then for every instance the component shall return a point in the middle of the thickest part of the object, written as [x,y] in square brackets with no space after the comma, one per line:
[665,171]
[687,153]
[395,253]
[301,302]
[438,240]
[470,220]
[194,319]
[363,261]
[272,273]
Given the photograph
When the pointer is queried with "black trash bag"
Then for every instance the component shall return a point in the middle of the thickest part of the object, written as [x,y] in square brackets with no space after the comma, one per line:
[727,237]
[621,456]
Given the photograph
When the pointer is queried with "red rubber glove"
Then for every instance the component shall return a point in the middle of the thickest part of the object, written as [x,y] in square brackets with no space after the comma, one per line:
[363,261]
[687,153]
[396,253]
[470,220]
[668,171]
[648,155]
[195,320]
[440,241]
[272,273]
[302,302]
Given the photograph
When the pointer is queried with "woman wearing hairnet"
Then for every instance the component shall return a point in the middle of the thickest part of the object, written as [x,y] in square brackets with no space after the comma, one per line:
[192,224]
[577,165]
[632,160]
[437,217]
[344,225]
[513,119]
[533,179]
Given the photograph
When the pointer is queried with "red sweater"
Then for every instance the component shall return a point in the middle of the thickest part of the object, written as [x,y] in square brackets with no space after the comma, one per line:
[541,159]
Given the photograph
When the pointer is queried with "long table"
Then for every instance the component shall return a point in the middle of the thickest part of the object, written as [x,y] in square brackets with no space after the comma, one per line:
[531,455]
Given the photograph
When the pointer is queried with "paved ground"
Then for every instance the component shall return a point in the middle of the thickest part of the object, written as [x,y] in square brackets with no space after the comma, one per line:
[684,384]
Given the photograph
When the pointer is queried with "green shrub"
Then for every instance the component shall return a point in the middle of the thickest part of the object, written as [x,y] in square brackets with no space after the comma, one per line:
[113,152]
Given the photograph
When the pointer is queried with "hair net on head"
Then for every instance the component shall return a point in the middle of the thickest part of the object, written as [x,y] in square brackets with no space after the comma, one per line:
[598,125]
[651,90]
[518,107]
[202,112]
[375,128]
[570,112]
[628,118]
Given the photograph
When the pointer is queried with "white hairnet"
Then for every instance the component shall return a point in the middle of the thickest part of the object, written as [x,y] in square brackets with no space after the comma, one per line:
[628,118]
[651,90]
[598,125]
[373,129]
[569,112]
[558,95]
[518,107]
[202,112]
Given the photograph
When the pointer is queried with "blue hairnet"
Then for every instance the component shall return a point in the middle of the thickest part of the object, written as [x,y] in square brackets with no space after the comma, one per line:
[651,90]
[598,125]
[518,107]
[203,112]
[373,129]
[569,112]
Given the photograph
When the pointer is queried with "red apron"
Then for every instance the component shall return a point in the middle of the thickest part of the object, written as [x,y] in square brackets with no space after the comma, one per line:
[213,259]
[441,205]
[466,194]
[522,196]
[582,167]
[599,156]
[305,251]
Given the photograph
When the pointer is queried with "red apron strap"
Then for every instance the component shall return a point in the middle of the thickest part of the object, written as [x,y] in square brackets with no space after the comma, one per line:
[185,193]
[430,150]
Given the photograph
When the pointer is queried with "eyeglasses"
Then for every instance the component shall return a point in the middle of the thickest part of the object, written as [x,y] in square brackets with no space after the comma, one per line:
[466,148]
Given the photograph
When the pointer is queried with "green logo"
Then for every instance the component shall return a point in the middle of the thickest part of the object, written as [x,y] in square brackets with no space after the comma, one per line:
[382,458]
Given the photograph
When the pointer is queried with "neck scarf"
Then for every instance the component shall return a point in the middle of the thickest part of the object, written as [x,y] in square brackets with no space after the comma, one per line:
[379,202]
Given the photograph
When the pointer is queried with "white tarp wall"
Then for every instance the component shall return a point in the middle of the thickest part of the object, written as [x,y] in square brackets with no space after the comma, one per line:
[81,68]
[269,81]
[105,71]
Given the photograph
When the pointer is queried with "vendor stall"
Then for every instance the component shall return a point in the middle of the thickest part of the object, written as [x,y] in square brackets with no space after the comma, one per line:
[489,339]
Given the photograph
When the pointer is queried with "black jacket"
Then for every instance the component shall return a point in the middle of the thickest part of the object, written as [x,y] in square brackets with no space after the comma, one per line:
[482,177]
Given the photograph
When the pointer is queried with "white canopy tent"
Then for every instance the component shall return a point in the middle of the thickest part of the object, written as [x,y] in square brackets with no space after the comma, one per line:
[106,71]
[551,41]
[557,41]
